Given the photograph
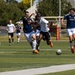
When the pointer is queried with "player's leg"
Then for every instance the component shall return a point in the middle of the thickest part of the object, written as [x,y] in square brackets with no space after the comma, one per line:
[34,43]
[32,40]
[71,46]
[9,38]
[27,38]
[74,36]
[74,40]
[38,40]
[70,34]
[12,37]
[48,39]
[18,37]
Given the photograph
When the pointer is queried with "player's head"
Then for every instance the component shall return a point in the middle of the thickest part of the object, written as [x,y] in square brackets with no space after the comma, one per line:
[38,16]
[10,21]
[26,13]
[72,11]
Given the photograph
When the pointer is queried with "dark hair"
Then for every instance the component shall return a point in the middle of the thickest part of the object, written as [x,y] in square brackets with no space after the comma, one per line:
[72,9]
[25,11]
[38,15]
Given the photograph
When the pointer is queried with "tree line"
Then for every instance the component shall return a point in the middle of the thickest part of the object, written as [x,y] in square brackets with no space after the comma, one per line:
[11,9]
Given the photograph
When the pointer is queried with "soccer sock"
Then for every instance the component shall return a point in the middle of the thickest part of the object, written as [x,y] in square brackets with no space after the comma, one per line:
[70,44]
[18,39]
[38,44]
[9,40]
[34,44]
[12,40]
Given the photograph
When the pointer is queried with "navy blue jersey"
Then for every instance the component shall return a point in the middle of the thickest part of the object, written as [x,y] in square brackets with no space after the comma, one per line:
[38,27]
[18,29]
[27,28]
[70,21]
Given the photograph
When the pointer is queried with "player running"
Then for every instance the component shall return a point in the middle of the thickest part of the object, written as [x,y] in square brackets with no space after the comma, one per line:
[37,30]
[28,31]
[11,29]
[18,32]
[70,27]
[44,30]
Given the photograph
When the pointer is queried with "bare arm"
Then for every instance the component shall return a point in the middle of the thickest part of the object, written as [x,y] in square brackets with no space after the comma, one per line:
[29,16]
[62,21]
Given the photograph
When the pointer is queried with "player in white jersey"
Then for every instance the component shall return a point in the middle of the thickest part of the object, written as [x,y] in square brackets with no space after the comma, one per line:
[45,31]
[11,29]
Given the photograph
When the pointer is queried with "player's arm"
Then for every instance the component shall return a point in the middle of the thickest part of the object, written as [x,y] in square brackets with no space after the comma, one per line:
[7,28]
[29,16]
[14,28]
[63,19]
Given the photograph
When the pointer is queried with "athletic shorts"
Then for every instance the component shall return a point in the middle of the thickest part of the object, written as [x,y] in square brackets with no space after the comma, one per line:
[37,32]
[29,36]
[70,31]
[11,34]
[18,34]
[46,35]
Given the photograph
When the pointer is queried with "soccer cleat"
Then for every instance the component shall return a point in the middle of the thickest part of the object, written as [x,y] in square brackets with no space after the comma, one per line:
[72,49]
[35,51]
[9,44]
[51,44]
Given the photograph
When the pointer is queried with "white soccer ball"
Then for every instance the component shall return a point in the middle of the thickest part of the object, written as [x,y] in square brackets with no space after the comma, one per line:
[59,52]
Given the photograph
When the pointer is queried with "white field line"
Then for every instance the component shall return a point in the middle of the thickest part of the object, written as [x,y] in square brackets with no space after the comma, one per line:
[44,70]
[25,50]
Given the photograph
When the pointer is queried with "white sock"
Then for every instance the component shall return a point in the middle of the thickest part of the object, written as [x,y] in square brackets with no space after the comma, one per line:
[18,39]
[34,44]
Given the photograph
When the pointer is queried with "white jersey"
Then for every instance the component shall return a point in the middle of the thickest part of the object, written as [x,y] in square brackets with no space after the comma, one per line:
[10,28]
[44,25]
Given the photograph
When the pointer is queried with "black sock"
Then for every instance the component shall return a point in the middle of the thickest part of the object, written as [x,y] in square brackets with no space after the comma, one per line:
[9,40]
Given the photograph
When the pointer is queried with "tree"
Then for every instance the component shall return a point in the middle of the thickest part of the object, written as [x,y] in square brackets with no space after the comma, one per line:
[27,1]
[51,7]
[25,4]
[9,11]
[11,1]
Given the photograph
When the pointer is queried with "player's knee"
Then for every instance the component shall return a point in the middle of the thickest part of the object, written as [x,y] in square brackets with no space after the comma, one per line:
[34,37]
[9,37]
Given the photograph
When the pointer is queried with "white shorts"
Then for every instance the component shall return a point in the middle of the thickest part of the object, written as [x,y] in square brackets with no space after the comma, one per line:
[29,36]
[71,31]
[37,32]
[18,34]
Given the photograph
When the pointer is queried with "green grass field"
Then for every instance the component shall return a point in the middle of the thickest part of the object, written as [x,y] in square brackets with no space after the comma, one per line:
[19,56]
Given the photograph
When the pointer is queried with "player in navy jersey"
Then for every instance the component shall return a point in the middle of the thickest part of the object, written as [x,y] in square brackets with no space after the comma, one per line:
[28,31]
[18,32]
[70,27]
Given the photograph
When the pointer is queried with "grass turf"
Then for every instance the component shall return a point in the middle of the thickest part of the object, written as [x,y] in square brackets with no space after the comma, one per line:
[19,56]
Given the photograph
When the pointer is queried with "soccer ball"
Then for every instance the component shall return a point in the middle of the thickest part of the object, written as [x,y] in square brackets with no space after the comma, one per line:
[59,52]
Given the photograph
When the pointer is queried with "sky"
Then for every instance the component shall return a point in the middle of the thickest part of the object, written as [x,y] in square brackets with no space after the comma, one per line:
[19,0]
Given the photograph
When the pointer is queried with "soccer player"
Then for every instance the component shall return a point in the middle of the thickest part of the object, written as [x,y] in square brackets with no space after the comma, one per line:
[37,29]
[28,31]
[44,29]
[18,32]
[70,27]
[11,29]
